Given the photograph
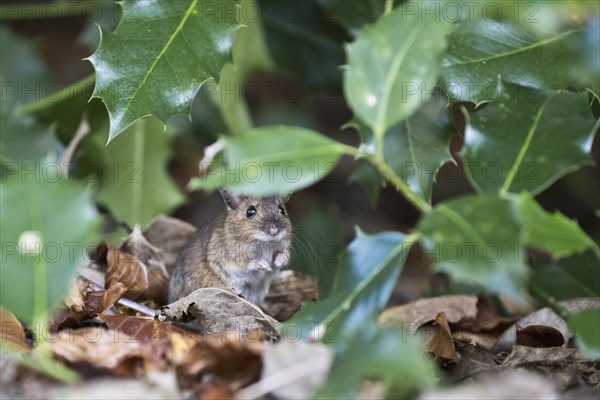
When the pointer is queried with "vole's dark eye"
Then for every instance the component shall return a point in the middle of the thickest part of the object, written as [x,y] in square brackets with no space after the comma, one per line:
[251,211]
[282,210]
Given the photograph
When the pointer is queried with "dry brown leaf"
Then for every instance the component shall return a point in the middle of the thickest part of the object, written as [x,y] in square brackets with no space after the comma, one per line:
[98,301]
[288,292]
[211,311]
[169,235]
[12,331]
[143,329]
[423,311]
[545,317]
[228,359]
[441,342]
[539,336]
[94,302]
[94,349]
[75,300]
[127,270]
[150,257]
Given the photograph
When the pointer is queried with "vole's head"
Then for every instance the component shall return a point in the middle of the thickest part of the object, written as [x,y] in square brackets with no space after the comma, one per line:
[258,219]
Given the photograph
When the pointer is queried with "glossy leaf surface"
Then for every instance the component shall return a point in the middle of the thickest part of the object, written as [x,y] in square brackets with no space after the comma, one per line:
[484,53]
[527,140]
[272,160]
[392,66]
[159,56]
[366,276]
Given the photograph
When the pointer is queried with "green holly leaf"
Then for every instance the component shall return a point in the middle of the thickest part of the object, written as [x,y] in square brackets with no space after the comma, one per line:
[484,53]
[553,233]
[272,160]
[586,325]
[477,240]
[392,66]
[571,277]
[365,279]
[391,356]
[48,224]
[528,139]
[131,172]
[417,147]
[159,56]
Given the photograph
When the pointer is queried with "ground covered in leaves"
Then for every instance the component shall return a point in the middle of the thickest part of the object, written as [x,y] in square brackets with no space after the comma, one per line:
[115,331]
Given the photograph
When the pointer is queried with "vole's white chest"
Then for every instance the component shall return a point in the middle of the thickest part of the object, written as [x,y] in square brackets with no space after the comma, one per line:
[248,280]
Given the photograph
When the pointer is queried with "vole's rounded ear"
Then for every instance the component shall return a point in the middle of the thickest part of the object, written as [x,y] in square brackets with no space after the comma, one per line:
[231,200]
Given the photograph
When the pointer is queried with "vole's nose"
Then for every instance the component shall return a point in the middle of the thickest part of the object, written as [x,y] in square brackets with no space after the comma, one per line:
[272,229]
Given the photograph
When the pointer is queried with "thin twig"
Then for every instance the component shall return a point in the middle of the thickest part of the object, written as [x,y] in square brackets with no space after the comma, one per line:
[125,302]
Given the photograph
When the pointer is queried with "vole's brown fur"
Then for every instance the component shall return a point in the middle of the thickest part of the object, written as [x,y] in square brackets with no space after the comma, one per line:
[236,251]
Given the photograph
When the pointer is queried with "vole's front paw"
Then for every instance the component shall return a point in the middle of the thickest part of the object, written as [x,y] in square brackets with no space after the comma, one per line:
[260,265]
[280,259]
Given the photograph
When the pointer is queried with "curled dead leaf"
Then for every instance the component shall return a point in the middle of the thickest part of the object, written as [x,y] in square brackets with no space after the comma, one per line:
[420,312]
[539,336]
[93,348]
[441,342]
[211,311]
[545,317]
[13,333]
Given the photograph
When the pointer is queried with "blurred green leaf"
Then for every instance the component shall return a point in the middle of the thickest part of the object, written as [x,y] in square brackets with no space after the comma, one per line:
[48,225]
[131,172]
[24,79]
[318,241]
[301,39]
[365,279]
[394,357]
[392,66]
[159,56]
[477,240]
[572,277]
[23,75]
[23,139]
[553,233]
[586,325]
[528,139]
[484,53]
[272,160]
